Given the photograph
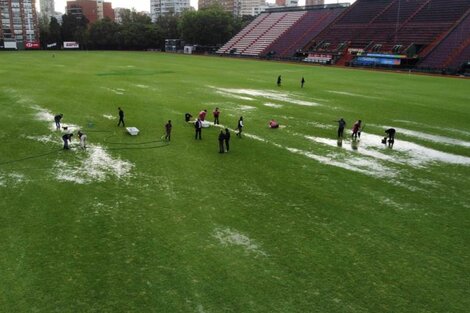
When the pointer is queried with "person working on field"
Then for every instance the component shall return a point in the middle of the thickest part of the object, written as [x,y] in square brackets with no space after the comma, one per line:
[341,125]
[273,124]
[391,137]
[279,79]
[198,127]
[216,114]
[356,130]
[66,138]
[302,82]
[221,141]
[240,127]
[57,119]
[168,128]
[121,117]
[227,139]
[202,115]
[83,139]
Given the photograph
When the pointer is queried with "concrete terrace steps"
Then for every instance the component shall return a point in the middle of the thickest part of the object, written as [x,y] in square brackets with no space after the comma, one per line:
[261,33]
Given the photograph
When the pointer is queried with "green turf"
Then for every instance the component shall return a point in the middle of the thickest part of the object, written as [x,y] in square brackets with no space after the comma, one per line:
[258,229]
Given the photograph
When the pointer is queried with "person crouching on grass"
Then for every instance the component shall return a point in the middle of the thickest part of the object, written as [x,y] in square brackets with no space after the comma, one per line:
[66,138]
[57,119]
[273,124]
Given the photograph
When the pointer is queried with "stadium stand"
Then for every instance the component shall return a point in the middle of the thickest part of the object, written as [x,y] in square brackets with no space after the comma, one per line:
[406,28]
[314,21]
[452,50]
[424,34]
[281,31]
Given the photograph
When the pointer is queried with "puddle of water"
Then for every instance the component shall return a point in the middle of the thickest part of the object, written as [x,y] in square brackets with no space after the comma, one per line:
[227,94]
[142,86]
[246,108]
[229,237]
[320,125]
[117,91]
[46,116]
[268,94]
[43,139]
[433,138]
[11,179]
[96,167]
[403,151]
[109,117]
[367,167]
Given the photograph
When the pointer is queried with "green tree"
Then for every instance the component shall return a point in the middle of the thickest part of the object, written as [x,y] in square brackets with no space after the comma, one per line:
[210,27]
[54,32]
[43,31]
[167,26]
[74,29]
[137,32]
[103,34]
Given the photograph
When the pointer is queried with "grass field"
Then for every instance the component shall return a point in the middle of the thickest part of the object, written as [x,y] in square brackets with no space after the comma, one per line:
[287,221]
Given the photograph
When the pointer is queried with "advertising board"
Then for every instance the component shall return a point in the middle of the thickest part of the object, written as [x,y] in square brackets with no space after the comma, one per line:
[32,45]
[71,45]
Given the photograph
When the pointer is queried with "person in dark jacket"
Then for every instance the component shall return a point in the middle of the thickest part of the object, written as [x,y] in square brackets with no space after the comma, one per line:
[341,125]
[57,119]
[168,128]
[66,138]
[121,117]
[391,137]
[221,141]
[227,139]
[198,127]
[302,82]
[187,117]
[279,81]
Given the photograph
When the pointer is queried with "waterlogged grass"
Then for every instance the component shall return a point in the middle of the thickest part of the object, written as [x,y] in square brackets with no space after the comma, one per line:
[284,222]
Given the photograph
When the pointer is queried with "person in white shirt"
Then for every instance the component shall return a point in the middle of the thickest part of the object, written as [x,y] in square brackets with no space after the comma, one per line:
[83,139]
[240,127]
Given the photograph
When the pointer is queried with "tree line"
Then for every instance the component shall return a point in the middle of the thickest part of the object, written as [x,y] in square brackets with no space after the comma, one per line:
[210,27]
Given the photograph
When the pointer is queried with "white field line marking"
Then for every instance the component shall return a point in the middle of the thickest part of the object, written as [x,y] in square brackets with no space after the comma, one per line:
[273,105]
[458,131]
[344,93]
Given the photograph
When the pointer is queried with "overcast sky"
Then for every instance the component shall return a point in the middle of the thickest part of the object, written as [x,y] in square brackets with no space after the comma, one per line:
[144,5]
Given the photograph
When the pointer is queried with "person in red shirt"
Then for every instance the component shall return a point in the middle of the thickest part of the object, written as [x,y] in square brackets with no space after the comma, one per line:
[356,130]
[273,124]
[216,116]
[202,115]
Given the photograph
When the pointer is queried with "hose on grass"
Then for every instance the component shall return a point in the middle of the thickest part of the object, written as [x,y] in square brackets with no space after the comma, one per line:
[37,156]
[161,143]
